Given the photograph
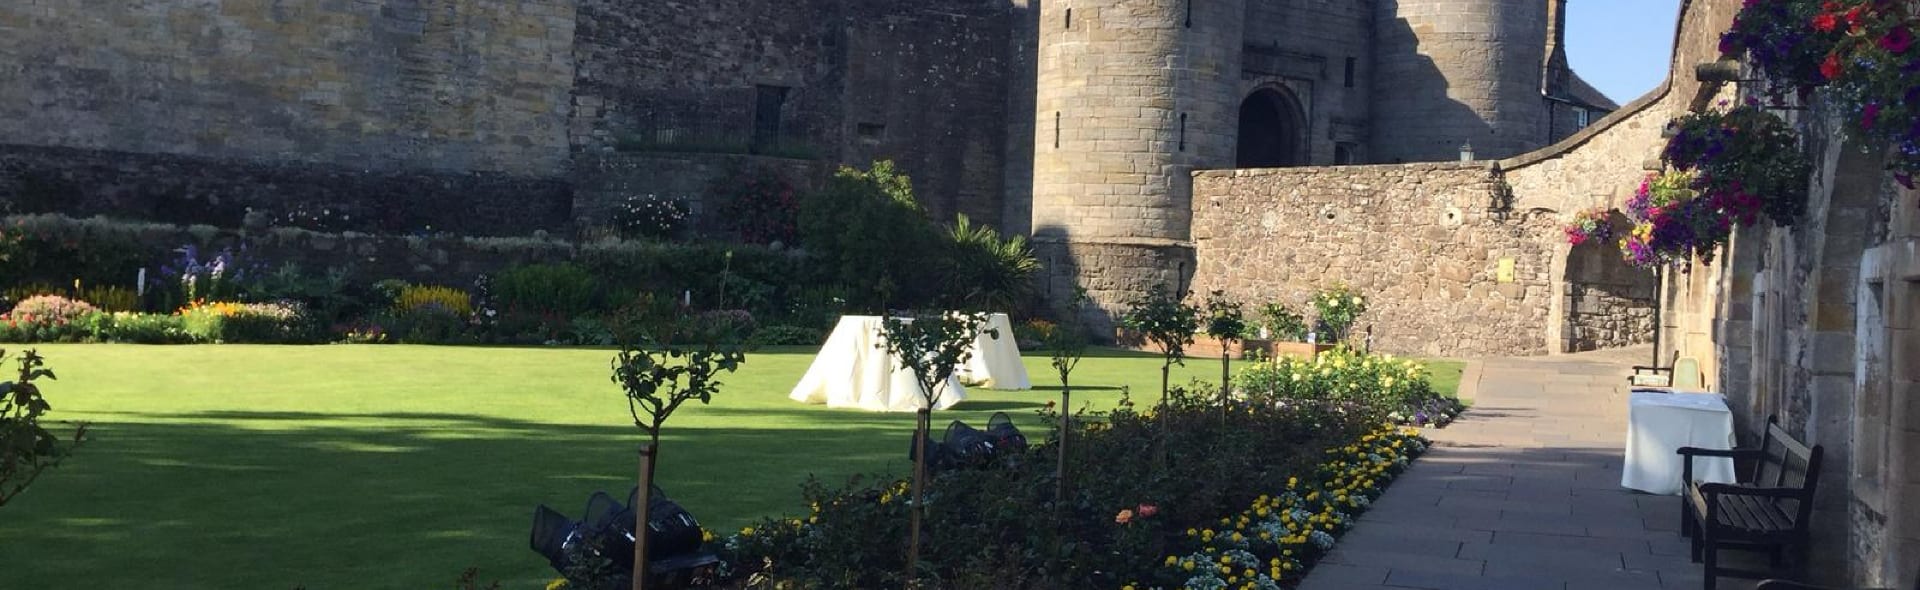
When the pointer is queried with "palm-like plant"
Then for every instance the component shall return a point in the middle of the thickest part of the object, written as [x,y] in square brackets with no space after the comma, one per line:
[989,271]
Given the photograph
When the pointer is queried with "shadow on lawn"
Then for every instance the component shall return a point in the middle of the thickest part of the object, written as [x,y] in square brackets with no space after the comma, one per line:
[331,505]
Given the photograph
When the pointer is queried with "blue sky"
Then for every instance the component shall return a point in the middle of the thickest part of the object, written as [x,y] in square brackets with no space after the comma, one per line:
[1622,47]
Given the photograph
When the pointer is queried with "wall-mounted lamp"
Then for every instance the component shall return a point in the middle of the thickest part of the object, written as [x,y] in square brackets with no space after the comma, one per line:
[1466,152]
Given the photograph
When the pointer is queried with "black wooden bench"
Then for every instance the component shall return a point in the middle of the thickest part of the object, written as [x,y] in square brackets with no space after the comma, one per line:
[1767,511]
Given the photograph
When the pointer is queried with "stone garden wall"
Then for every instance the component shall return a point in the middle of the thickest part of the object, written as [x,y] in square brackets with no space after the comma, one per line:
[1446,273]
[604,181]
[388,84]
[240,192]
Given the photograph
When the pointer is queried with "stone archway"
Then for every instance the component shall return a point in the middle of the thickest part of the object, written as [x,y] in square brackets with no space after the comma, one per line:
[1273,130]
[1608,303]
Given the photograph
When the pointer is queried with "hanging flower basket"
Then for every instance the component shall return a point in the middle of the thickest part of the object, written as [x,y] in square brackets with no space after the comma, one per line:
[1748,163]
[1863,52]
[1593,225]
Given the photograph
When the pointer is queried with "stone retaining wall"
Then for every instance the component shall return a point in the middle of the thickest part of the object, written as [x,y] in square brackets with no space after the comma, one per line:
[1423,242]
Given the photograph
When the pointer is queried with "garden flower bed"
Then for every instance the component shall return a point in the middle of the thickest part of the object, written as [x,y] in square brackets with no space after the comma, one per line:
[1182,495]
[1000,527]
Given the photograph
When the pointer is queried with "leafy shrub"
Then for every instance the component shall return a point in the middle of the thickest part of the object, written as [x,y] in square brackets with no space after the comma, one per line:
[453,301]
[1339,306]
[231,322]
[760,206]
[872,235]
[26,447]
[1033,333]
[330,298]
[1381,384]
[563,289]
[111,298]
[982,270]
[651,216]
[137,328]
[46,318]
[58,250]
[787,336]
[424,324]
[1282,323]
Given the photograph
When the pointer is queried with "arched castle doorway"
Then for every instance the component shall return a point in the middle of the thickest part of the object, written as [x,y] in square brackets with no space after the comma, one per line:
[1273,131]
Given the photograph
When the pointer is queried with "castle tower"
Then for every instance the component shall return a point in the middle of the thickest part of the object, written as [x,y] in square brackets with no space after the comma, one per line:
[1453,72]
[1133,95]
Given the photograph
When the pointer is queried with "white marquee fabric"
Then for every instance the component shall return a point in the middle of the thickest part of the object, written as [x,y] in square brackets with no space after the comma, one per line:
[853,370]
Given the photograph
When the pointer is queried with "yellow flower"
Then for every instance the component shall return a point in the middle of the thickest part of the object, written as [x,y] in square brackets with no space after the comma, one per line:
[1186,565]
[1172,560]
[557,584]
[746,532]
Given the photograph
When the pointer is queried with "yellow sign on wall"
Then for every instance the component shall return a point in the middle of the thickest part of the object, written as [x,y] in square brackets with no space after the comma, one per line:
[1505,274]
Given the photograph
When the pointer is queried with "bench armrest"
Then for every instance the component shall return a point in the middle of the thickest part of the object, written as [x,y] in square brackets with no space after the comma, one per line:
[1734,453]
[1713,489]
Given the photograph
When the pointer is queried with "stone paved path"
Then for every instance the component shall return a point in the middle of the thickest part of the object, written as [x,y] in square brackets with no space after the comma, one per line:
[1523,493]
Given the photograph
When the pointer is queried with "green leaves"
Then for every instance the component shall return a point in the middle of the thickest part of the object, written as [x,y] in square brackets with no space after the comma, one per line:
[1161,317]
[1226,318]
[933,345]
[26,448]
[657,381]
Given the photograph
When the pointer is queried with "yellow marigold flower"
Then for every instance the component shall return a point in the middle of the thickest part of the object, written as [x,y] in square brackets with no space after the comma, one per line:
[746,532]
[1186,565]
[557,584]
[1172,560]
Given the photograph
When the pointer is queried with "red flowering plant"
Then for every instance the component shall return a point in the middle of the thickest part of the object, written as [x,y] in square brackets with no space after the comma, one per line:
[1864,51]
[1874,73]
[1592,225]
[761,206]
[1790,40]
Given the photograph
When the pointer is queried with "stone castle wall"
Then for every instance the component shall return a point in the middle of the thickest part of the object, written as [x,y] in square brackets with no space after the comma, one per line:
[459,85]
[1419,240]
[923,83]
[1305,47]
[1462,71]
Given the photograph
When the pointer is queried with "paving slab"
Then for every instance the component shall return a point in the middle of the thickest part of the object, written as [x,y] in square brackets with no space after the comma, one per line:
[1523,492]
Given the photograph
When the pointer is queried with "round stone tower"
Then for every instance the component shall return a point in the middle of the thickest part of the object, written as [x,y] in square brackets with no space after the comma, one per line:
[1133,95]
[1454,72]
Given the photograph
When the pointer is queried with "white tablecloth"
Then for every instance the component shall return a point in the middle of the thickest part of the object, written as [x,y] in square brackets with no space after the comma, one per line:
[995,363]
[853,370]
[1659,422]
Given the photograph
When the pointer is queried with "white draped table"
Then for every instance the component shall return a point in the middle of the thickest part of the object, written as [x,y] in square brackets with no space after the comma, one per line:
[995,363]
[853,370]
[1659,422]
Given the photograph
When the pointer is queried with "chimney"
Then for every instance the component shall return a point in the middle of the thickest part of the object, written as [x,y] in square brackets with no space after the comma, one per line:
[1556,76]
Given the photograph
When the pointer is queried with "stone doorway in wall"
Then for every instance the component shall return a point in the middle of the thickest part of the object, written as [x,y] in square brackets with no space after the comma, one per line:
[1609,304]
[1273,130]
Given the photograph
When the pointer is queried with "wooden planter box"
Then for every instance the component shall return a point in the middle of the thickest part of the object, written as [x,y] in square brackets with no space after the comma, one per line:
[1280,348]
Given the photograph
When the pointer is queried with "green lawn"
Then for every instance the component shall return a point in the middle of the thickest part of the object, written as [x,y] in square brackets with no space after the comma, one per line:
[358,467]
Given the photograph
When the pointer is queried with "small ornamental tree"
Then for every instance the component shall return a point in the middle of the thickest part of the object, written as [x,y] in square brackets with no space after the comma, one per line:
[1339,306]
[1067,343]
[26,447]
[1161,317]
[657,381]
[933,346]
[1283,323]
[1226,320]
